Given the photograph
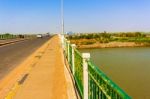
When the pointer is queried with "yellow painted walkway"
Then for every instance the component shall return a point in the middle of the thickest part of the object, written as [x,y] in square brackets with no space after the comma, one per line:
[46,80]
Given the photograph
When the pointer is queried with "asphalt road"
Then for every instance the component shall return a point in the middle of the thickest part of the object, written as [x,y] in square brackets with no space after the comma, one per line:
[13,54]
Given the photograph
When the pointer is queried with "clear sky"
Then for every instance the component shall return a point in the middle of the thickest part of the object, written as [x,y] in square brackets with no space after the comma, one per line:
[38,16]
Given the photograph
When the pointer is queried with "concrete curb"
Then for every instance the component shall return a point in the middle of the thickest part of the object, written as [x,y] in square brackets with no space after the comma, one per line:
[70,86]
[71,90]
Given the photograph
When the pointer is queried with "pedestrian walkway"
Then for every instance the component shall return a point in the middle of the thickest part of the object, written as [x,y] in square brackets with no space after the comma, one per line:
[47,79]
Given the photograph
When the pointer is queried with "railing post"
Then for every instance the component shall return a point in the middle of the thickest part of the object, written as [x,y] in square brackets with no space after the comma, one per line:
[63,42]
[86,57]
[73,58]
[68,42]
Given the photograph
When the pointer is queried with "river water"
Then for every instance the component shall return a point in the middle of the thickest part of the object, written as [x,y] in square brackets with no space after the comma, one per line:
[129,68]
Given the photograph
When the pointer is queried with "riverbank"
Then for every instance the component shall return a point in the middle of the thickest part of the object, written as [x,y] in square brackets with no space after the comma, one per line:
[83,44]
[110,40]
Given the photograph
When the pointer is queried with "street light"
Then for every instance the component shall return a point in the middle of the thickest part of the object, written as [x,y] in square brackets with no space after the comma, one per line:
[62,17]
[62,23]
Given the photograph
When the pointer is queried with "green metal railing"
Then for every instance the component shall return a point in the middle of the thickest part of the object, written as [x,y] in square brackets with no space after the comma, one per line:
[78,76]
[70,56]
[99,85]
[66,47]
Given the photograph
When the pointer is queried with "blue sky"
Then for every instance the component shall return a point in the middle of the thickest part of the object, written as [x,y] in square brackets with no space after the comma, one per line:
[39,16]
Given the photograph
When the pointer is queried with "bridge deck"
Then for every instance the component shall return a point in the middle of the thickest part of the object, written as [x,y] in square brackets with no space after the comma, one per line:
[47,79]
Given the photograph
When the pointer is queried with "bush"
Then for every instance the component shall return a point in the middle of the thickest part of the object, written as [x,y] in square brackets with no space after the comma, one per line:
[87,43]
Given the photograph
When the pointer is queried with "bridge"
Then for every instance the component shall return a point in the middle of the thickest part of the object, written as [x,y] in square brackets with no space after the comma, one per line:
[57,70]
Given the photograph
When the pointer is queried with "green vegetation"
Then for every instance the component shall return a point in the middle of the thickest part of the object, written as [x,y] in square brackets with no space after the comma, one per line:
[87,43]
[136,37]
[7,36]
[12,36]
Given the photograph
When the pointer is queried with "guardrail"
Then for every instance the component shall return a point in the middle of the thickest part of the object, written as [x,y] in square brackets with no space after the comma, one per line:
[90,81]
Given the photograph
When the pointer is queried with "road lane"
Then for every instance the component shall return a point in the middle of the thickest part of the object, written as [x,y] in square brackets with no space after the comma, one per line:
[13,54]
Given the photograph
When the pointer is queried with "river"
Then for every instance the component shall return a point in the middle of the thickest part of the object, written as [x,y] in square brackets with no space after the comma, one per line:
[129,68]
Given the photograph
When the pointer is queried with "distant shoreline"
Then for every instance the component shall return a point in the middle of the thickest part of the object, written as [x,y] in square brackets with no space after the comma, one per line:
[110,40]
[111,45]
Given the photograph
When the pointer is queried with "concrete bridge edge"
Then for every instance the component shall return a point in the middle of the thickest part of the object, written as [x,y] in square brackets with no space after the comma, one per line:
[71,90]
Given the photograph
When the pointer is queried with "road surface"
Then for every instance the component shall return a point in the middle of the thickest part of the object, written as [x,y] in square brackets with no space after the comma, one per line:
[13,54]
